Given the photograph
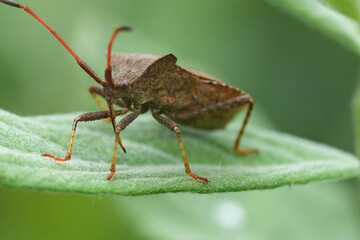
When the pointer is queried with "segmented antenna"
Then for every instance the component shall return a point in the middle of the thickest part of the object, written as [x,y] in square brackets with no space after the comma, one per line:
[108,75]
[82,64]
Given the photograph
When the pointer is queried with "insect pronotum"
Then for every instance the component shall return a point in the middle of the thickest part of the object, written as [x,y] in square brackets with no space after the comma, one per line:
[174,94]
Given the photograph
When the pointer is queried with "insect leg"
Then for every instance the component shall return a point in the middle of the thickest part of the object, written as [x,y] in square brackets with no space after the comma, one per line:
[113,116]
[250,103]
[95,91]
[123,123]
[231,103]
[173,126]
[235,102]
[85,117]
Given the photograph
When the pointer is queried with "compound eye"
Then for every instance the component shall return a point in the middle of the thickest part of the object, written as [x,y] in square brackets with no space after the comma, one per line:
[123,84]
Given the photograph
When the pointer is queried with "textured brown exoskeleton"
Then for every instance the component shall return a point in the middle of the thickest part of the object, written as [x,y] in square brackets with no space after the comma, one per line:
[142,82]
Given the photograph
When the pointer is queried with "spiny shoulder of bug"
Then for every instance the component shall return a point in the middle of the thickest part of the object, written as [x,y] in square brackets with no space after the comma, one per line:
[138,77]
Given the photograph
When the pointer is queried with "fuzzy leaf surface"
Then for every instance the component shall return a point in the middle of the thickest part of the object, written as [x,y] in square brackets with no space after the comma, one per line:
[153,162]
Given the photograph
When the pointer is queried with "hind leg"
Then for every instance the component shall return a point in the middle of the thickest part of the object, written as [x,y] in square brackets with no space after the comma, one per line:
[228,104]
[250,102]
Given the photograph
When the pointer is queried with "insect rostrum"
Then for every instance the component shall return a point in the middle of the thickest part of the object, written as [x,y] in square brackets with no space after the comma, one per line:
[174,94]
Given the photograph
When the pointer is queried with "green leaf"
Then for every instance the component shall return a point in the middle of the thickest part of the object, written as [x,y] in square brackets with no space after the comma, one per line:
[337,19]
[356,116]
[153,163]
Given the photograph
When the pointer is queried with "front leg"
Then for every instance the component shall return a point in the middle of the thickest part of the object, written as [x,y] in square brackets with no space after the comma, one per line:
[118,128]
[85,117]
[173,126]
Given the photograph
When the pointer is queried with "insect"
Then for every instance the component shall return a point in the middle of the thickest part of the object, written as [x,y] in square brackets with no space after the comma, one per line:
[141,82]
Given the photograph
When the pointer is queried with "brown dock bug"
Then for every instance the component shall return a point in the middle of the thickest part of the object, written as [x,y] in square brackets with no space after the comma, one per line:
[142,82]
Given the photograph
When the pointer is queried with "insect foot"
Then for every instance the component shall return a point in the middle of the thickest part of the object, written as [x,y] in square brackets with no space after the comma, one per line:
[196,177]
[246,151]
[55,158]
[111,175]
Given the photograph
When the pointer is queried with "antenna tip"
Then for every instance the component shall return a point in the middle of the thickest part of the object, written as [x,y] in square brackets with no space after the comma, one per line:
[124,28]
[11,3]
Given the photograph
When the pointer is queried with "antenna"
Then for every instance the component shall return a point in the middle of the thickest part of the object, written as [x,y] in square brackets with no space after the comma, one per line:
[82,64]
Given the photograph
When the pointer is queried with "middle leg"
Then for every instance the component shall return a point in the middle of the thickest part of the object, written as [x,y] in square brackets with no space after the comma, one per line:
[173,126]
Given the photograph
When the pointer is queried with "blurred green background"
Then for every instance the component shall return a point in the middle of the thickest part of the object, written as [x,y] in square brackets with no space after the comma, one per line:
[302,81]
